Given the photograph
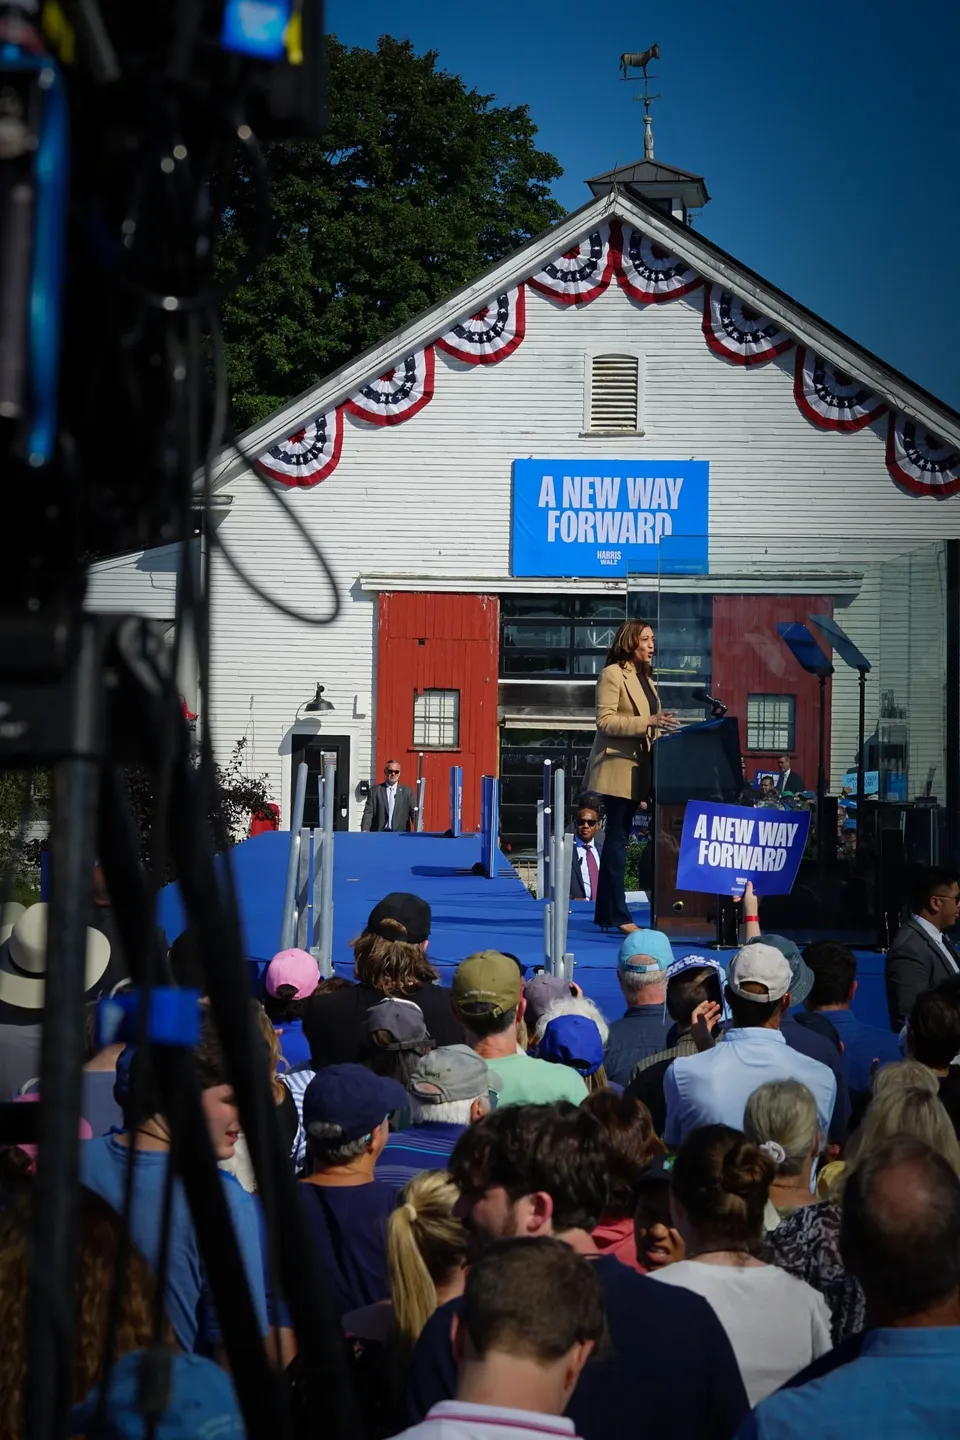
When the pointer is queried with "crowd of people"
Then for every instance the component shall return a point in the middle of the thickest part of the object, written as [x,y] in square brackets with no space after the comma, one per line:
[733,1211]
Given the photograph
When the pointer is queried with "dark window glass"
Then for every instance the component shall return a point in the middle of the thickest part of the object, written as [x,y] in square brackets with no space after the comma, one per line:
[537,637]
[531,662]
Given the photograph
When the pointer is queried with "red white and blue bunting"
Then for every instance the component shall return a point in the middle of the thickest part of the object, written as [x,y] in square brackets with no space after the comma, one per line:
[919,461]
[739,333]
[398,394]
[923,463]
[310,454]
[580,274]
[647,272]
[490,335]
[831,398]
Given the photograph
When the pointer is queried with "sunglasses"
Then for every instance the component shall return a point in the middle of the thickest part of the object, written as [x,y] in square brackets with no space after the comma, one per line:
[393,772]
[587,824]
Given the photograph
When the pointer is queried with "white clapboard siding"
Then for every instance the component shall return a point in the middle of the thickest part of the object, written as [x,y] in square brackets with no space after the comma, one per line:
[431,498]
[144,583]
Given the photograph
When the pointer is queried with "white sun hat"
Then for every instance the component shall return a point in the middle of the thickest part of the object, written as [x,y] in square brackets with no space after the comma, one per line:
[23,959]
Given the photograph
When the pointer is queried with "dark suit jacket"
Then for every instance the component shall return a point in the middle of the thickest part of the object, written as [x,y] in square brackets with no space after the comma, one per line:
[794,783]
[915,963]
[576,879]
[375,810]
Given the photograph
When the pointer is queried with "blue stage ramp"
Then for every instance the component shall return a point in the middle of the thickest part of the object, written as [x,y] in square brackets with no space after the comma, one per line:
[470,912]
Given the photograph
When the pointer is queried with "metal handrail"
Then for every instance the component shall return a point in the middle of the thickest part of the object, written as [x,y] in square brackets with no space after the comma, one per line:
[288,922]
[325,921]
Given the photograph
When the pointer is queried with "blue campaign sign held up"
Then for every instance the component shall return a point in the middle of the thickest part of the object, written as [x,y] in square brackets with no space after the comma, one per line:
[724,846]
[610,517]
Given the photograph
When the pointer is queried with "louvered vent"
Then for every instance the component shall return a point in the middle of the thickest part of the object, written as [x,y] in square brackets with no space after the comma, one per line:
[613,393]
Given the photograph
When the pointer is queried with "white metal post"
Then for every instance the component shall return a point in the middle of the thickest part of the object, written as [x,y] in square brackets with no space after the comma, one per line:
[325,925]
[288,920]
[421,789]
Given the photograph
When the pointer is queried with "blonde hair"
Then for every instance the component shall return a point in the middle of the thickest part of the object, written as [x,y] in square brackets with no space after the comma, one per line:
[425,1243]
[901,1110]
[274,1054]
[785,1112]
[902,1074]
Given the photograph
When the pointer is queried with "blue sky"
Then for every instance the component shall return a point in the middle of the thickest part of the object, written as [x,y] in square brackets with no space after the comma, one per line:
[828,136]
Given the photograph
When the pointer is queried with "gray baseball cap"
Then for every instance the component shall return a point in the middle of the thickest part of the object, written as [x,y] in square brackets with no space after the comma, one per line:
[402,1020]
[452,1072]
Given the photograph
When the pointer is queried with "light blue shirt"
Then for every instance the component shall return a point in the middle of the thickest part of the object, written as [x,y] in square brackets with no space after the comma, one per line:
[712,1088]
[905,1385]
[103,1168]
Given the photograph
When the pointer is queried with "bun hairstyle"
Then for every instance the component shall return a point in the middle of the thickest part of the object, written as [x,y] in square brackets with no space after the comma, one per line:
[781,1118]
[722,1180]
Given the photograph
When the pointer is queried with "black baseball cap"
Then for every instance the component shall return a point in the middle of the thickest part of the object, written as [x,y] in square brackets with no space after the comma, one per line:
[407,910]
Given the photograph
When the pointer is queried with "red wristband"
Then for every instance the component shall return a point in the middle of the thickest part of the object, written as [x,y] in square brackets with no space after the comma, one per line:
[748,918]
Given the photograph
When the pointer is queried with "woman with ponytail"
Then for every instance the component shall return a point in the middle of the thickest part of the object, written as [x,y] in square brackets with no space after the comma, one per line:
[718,1191]
[426,1267]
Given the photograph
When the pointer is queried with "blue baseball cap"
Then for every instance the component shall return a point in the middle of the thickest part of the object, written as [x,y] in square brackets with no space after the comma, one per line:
[202,1402]
[351,1098]
[644,950]
[573,1040]
[801,976]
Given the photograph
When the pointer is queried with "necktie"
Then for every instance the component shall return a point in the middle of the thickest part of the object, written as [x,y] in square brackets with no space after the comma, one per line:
[391,800]
[951,951]
[593,871]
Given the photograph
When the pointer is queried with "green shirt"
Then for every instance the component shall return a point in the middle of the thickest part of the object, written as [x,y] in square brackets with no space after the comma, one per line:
[527,1081]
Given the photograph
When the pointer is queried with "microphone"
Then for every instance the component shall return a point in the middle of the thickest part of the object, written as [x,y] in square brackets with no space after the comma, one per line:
[717,706]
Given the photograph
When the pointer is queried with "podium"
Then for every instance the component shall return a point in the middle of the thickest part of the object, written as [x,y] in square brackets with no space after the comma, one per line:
[699,762]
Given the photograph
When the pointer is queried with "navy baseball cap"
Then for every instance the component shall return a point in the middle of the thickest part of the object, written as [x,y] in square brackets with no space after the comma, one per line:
[350,1098]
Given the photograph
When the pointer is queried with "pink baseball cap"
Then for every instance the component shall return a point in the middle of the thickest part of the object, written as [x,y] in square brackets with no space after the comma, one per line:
[296,968]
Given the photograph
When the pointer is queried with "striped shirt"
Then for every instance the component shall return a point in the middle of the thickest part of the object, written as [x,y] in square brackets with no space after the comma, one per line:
[420,1147]
[296,1082]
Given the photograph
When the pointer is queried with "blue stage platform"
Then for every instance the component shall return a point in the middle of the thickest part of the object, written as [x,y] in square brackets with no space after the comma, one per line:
[470,912]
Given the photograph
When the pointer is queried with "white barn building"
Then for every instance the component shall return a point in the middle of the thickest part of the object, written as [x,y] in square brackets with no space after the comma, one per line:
[720,461]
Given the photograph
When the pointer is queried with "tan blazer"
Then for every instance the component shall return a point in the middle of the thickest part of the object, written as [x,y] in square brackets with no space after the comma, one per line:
[620,759]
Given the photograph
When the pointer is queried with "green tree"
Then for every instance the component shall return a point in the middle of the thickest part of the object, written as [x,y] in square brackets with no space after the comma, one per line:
[416,187]
[236,799]
[24,807]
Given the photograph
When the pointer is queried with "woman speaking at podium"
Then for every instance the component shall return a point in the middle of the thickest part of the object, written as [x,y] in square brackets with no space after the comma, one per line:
[629,720]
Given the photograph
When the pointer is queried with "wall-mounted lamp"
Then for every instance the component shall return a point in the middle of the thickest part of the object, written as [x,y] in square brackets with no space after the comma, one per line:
[317,705]
[318,702]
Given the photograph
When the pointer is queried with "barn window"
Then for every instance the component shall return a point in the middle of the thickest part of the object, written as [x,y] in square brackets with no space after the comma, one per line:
[771,722]
[436,720]
[613,398]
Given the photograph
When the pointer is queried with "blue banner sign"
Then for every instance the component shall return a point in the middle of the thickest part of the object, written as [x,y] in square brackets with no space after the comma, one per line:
[871,782]
[724,846]
[610,518]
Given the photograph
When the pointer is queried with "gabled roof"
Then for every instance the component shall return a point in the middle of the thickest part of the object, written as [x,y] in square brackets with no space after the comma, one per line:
[653,173]
[714,264]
